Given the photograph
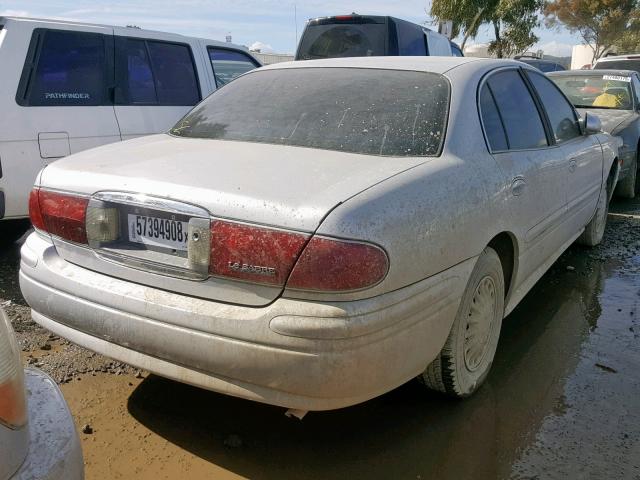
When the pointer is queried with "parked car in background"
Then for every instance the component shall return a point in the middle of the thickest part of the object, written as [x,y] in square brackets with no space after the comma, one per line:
[69,86]
[38,439]
[618,62]
[614,96]
[430,195]
[542,65]
[370,36]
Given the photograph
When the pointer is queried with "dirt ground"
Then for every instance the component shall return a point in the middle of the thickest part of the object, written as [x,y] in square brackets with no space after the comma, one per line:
[562,400]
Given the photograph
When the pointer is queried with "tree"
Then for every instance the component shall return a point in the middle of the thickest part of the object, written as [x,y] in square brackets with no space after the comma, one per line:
[629,41]
[513,21]
[600,23]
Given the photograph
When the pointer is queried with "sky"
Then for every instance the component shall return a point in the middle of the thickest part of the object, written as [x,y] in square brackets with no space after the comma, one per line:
[269,24]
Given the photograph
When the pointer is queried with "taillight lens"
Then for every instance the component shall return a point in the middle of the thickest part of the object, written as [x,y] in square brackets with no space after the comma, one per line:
[269,256]
[59,214]
[251,253]
[332,265]
[13,406]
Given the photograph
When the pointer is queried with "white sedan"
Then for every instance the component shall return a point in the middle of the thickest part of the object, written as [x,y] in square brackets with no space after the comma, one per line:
[315,234]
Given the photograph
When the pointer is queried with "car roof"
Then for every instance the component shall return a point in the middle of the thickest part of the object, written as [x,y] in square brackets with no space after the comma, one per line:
[597,71]
[422,63]
[631,56]
[134,30]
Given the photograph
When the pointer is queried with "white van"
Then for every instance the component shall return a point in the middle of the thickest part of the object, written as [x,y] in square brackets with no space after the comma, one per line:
[67,87]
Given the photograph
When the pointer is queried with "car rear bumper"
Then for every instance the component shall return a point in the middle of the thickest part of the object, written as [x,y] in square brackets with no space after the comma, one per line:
[54,447]
[296,354]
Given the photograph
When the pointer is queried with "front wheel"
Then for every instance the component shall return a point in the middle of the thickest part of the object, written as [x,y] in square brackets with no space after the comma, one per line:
[467,356]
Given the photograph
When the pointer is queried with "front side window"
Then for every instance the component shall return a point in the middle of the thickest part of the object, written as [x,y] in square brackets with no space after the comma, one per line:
[560,112]
[229,64]
[597,90]
[70,70]
[518,111]
[368,111]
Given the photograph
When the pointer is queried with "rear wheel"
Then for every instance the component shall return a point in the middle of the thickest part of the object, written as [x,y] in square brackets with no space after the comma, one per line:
[467,356]
[628,187]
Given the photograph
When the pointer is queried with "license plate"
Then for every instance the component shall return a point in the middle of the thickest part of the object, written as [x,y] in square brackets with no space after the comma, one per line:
[158,232]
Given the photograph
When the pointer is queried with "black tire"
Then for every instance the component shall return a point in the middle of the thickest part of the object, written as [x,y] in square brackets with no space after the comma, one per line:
[628,186]
[12,230]
[467,356]
[594,231]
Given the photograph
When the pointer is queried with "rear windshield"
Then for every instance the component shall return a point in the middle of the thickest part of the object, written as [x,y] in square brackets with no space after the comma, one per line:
[370,111]
[619,65]
[343,40]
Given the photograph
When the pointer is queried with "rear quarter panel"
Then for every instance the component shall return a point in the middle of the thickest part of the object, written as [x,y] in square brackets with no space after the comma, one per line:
[437,214]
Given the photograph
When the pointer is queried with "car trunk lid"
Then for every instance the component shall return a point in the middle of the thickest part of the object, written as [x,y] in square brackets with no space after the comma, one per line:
[189,181]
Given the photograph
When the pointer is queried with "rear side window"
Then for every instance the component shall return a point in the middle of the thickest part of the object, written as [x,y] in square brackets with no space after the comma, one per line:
[175,74]
[64,68]
[518,111]
[561,114]
[411,39]
[358,110]
[491,121]
[343,40]
[150,72]
[228,64]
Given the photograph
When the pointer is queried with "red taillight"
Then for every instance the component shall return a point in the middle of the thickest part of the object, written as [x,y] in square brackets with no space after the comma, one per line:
[269,256]
[343,17]
[59,214]
[334,265]
[34,210]
[251,253]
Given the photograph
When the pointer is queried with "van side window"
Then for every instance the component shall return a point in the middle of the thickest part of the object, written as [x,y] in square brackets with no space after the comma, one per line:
[140,85]
[437,44]
[71,69]
[411,39]
[175,74]
[228,64]
[152,72]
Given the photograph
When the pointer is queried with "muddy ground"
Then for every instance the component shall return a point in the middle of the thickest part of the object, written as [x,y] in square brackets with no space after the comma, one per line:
[562,400]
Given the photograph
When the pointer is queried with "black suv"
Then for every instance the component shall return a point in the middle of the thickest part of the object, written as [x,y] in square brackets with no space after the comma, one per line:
[368,36]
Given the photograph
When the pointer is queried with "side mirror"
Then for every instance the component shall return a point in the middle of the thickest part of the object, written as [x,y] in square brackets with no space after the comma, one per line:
[590,124]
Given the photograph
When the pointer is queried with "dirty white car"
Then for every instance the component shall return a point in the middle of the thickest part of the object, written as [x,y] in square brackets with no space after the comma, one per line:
[38,439]
[317,233]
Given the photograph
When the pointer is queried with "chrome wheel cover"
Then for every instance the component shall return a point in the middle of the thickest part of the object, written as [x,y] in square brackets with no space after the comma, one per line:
[480,320]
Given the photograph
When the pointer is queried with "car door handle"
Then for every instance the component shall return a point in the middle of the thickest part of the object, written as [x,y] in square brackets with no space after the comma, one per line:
[573,164]
[517,186]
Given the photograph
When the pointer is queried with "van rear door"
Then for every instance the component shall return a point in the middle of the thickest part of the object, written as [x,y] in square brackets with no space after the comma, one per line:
[158,80]
[344,36]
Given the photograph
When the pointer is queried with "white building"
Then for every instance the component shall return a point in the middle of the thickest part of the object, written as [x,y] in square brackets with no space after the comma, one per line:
[269,58]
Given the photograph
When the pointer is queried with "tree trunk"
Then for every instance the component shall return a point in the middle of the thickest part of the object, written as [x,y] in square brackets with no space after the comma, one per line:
[496,29]
[472,27]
